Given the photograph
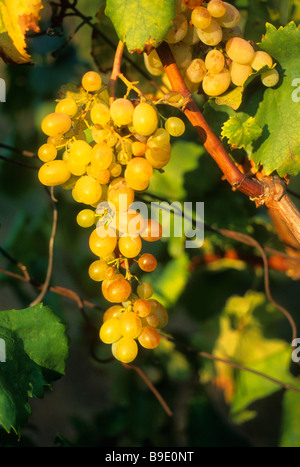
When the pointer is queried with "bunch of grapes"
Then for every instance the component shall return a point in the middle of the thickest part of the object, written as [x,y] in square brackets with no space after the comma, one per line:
[210,51]
[105,154]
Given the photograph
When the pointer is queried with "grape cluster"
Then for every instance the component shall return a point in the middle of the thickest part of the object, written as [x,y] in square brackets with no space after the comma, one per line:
[210,51]
[105,153]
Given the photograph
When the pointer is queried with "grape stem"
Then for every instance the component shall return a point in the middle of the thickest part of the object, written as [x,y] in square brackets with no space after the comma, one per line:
[116,71]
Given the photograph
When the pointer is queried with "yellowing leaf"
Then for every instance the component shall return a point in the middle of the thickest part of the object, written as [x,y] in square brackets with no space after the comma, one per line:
[16,18]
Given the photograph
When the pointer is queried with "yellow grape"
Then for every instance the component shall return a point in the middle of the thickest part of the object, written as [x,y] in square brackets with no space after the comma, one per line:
[125,350]
[54,173]
[80,152]
[214,61]
[130,324]
[152,320]
[97,270]
[102,155]
[149,338]
[102,176]
[178,30]
[153,231]
[138,173]
[56,124]
[270,78]
[231,18]
[261,59]
[100,114]
[129,222]
[130,246]
[86,218]
[153,64]
[118,291]
[91,81]
[47,152]
[201,18]
[144,290]
[142,307]
[145,120]
[216,8]
[240,51]
[212,35]
[215,85]
[158,157]
[88,190]
[120,194]
[112,312]
[110,331]
[67,106]
[106,135]
[159,139]
[175,126]
[102,242]
[239,73]
[138,148]
[115,169]
[121,111]
[196,71]
[75,167]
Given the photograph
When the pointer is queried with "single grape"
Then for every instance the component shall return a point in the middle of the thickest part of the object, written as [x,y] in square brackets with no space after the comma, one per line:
[201,18]
[240,51]
[130,246]
[120,194]
[88,190]
[130,324]
[100,114]
[102,155]
[149,338]
[56,124]
[80,152]
[103,242]
[178,30]
[138,173]
[147,262]
[110,331]
[231,18]
[115,169]
[152,320]
[76,168]
[212,35]
[215,85]
[159,139]
[216,8]
[239,73]
[91,81]
[67,106]
[261,59]
[145,119]
[125,350]
[97,270]
[144,290]
[153,231]
[142,307]
[118,291]
[270,78]
[175,126]
[47,152]
[54,173]
[121,111]
[86,218]
[214,61]
[196,71]
[112,312]
[162,315]
[153,63]
[158,157]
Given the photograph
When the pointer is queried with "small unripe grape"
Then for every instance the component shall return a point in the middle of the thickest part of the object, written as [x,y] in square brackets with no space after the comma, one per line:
[270,78]
[47,152]
[175,126]
[178,30]
[125,350]
[67,106]
[149,338]
[110,331]
[86,218]
[121,111]
[100,114]
[201,18]
[97,270]
[91,81]
[56,124]
[145,290]
[145,119]
[54,173]
[240,51]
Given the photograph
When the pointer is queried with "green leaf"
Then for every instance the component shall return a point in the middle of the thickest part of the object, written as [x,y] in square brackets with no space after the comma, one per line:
[290,435]
[241,132]
[278,114]
[141,23]
[36,349]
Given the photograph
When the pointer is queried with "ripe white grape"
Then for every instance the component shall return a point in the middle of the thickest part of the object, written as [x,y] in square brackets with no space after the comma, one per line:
[196,70]
[216,8]
[214,61]
[240,51]
[201,18]
[261,59]
[239,73]
[270,78]
[212,35]
[231,18]
[215,85]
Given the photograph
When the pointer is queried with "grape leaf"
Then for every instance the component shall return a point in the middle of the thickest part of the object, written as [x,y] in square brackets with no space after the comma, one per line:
[141,23]
[36,348]
[278,113]
[16,18]
[241,132]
